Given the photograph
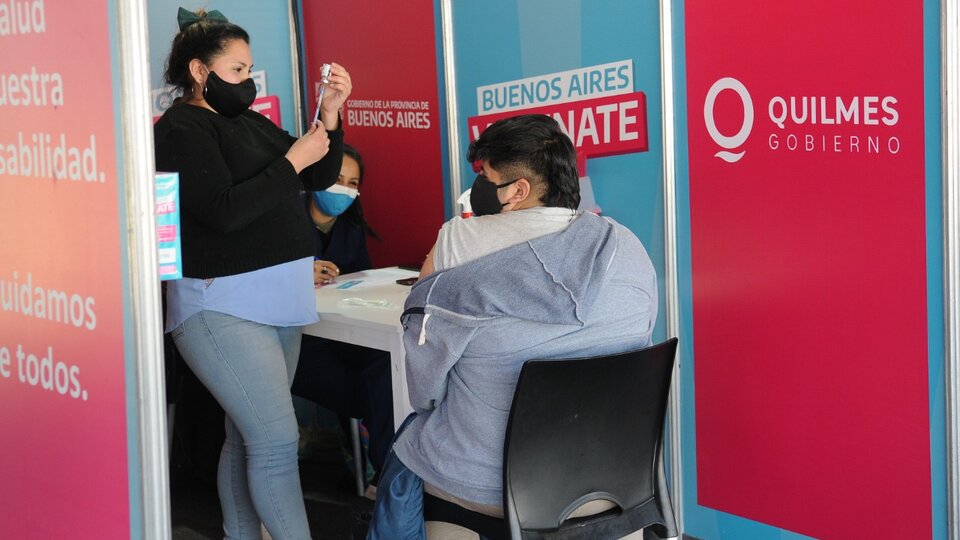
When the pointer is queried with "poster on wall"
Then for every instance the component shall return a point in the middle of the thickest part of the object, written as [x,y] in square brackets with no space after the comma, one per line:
[594,105]
[393,116]
[808,265]
[63,411]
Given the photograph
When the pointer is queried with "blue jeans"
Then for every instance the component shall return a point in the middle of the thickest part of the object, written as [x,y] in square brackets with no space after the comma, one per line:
[248,368]
[398,513]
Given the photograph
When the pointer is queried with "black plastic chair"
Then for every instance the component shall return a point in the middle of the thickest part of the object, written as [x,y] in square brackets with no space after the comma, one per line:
[588,429]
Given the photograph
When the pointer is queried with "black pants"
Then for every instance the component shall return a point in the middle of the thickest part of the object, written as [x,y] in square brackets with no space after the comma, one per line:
[351,381]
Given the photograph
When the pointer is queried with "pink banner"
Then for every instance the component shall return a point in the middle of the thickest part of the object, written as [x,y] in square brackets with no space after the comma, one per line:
[63,449]
[393,116]
[809,268]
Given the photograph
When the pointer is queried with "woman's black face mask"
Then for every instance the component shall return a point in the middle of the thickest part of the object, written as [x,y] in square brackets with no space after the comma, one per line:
[483,196]
[229,99]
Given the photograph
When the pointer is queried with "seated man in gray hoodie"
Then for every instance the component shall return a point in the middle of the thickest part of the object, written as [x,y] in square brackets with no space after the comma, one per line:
[527,278]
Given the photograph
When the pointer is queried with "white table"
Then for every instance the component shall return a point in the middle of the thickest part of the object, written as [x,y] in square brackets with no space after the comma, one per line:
[377,327]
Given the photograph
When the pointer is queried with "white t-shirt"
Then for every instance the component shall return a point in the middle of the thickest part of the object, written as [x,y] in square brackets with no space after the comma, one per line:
[463,240]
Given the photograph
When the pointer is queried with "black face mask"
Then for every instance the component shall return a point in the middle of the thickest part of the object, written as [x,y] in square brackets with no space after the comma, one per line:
[483,196]
[229,99]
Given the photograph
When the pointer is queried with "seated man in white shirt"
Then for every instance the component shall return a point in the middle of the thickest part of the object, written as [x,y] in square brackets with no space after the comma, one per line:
[528,278]
[463,240]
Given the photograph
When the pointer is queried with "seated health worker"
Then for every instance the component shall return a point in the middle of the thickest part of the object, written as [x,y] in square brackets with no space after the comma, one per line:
[247,290]
[529,277]
[347,379]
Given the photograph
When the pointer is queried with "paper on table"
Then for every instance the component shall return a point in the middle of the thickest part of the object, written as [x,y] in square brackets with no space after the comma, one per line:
[364,302]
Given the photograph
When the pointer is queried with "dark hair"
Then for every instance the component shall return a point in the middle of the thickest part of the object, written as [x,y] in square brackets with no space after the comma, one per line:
[352,152]
[354,213]
[204,40]
[532,146]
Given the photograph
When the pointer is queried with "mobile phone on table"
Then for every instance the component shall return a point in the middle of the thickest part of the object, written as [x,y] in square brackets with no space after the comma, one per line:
[324,79]
[407,281]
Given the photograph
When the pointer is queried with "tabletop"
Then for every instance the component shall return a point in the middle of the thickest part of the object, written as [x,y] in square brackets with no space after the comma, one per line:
[366,297]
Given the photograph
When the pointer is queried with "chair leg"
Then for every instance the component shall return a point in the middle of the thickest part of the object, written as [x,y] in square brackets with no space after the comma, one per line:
[357,455]
[171,409]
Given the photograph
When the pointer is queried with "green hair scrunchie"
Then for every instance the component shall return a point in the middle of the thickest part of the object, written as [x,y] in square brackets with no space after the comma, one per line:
[186,17]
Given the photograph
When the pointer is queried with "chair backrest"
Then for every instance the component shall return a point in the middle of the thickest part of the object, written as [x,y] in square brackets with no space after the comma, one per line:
[586,429]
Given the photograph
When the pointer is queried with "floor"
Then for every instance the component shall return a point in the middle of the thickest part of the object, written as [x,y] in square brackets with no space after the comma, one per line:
[333,508]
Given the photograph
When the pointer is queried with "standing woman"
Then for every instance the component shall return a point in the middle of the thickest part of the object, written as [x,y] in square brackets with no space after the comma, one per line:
[236,317]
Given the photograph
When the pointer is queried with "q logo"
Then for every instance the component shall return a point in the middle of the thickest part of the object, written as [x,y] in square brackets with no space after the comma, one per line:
[730,143]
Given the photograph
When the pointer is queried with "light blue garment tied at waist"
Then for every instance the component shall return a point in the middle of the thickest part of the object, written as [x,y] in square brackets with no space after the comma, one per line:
[279,295]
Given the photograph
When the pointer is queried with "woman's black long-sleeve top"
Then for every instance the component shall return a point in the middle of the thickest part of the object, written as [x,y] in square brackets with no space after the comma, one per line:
[240,198]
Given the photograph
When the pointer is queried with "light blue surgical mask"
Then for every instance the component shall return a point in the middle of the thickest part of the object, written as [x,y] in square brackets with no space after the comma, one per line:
[335,199]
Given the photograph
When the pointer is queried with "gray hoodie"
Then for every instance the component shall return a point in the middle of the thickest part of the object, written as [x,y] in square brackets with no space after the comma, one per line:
[585,291]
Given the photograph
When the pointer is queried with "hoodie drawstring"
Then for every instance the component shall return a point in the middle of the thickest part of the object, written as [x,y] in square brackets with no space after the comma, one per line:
[423,330]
